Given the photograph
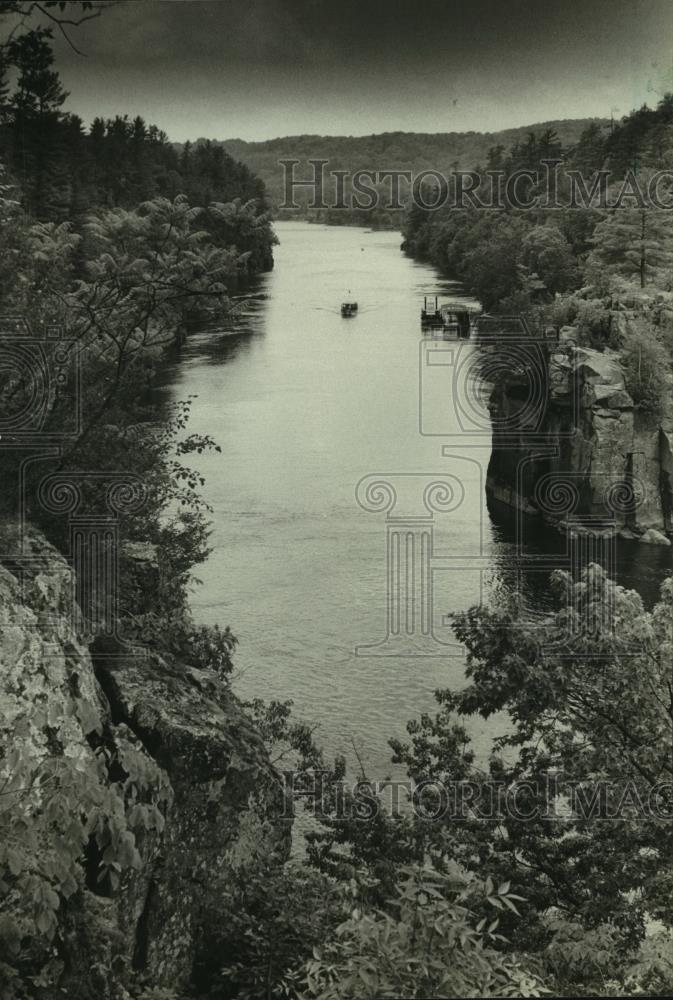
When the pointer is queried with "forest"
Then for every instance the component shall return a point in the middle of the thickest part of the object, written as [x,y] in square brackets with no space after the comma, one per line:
[414,151]
[572,266]
[63,170]
[553,875]
[468,244]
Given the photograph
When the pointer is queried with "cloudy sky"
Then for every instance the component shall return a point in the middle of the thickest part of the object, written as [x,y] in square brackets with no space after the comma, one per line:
[256,69]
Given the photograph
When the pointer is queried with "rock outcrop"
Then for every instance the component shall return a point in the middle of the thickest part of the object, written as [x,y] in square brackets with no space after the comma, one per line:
[578,453]
[204,771]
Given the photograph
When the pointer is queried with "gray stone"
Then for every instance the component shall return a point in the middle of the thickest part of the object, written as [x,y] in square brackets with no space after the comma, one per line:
[620,400]
[225,799]
[654,537]
[600,439]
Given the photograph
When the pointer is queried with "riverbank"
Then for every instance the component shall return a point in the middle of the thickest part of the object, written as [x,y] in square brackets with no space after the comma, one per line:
[587,457]
[305,406]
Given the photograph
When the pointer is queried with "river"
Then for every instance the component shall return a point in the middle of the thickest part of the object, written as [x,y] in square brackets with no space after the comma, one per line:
[312,578]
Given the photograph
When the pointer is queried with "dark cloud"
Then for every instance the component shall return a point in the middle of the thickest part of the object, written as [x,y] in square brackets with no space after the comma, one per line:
[258,68]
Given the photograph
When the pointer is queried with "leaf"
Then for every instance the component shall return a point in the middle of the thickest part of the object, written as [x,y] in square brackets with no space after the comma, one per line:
[14,862]
[510,905]
[89,717]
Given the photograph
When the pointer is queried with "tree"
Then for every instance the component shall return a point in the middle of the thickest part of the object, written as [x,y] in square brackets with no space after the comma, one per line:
[64,14]
[546,252]
[589,152]
[146,271]
[573,808]
[634,243]
[39,89]
[491,269]
[36,137]
[647,368]
[241,225]
[268,920]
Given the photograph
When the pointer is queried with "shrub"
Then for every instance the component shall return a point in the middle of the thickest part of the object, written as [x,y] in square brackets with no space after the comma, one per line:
[266,925]
[211,648]
[647,369]
[430,943]
[590,317]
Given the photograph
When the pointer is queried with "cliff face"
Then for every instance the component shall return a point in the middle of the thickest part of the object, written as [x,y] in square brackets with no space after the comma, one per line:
[176,784]
[586,458]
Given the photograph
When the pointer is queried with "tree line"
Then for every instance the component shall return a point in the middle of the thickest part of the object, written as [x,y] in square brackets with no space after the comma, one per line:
[414,151]
[414,904]
[63,170]
[514,259]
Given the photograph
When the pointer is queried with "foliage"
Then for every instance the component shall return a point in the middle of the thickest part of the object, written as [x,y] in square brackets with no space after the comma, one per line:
[491,266]
[547,253]
[158,993]
[210,647]
[642,139]
[647,368]
[633,242]
[571,810]
[285,737]
[578,956]
[590,316]
[274,916]
[497,255]
[103,235]
[99,237]
[415,151]
[589,699]
[357,833]
[66,171]
[428,942]
[291,932]
[60,802]
[146,272]
[652,970]
[553,244]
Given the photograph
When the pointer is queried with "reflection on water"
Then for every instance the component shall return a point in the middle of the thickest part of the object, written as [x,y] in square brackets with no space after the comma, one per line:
[636,567]
[305,405]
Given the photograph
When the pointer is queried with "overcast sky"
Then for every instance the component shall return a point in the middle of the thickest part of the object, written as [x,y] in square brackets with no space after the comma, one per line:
[256,69]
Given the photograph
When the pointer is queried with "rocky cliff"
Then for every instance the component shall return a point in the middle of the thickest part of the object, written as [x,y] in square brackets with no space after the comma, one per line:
[129,786]
[571,447]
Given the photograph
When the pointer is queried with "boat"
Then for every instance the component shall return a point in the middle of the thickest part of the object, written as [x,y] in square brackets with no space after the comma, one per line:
[431,317]
[456,322]
[349,309]
[453,321]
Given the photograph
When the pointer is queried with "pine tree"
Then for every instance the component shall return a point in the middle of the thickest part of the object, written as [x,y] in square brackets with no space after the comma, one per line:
[634,239]
[36,135]
[634,243]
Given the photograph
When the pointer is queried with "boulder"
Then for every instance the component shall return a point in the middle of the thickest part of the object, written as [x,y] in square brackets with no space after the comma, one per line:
[217,795]
[599,367]
[654,537]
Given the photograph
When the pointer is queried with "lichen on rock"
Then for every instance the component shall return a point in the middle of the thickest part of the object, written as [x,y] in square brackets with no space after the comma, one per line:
[160,782]
[590,437]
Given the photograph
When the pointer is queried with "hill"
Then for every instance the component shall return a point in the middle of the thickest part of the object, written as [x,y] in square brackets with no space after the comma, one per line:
[415,151]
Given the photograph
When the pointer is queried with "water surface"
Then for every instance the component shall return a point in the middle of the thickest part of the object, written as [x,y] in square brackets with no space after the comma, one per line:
[304,405]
